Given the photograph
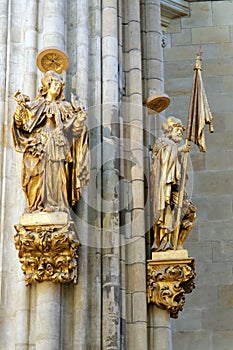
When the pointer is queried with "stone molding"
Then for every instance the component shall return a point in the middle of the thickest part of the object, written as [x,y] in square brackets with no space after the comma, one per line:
[168,282]
[47,252]
[172,9]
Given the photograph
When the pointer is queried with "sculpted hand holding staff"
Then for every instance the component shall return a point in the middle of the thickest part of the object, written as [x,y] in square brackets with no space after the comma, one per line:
[51,134]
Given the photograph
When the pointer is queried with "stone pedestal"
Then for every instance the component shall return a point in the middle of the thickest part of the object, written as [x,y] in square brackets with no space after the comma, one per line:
[48,247]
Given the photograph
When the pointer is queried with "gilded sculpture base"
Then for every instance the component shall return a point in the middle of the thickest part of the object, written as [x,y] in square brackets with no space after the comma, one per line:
[48,248]
[169,280]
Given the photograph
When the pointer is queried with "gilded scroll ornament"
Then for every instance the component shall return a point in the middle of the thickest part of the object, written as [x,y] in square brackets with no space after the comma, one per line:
[47,253]
[168,282]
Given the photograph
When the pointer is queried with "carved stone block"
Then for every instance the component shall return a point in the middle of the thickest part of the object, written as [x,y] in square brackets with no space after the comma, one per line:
[168,282]
[47,252]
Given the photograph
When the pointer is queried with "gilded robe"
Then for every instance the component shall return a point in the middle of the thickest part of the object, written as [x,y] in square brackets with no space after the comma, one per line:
[54,142]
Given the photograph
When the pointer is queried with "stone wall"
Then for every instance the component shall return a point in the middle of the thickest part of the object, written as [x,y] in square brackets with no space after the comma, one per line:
[110,70]
[207,320]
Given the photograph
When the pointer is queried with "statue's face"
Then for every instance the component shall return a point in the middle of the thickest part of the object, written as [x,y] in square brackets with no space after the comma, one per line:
[54,89]
[177,132]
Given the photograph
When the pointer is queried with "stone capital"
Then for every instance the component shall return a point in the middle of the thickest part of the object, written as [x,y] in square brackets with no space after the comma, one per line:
[168,282]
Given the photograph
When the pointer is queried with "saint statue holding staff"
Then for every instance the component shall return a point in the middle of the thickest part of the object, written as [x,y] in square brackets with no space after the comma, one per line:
[173,211]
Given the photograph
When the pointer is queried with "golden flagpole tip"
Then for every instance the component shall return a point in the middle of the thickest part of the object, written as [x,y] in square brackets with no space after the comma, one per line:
[51,58]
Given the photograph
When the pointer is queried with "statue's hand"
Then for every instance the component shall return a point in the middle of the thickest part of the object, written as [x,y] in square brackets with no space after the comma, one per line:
[22,113]
[82,116]
[21,98]
[19,115]
[76,104]
[185,148]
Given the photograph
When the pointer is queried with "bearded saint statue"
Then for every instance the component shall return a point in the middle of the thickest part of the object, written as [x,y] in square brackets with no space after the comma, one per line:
[166,174]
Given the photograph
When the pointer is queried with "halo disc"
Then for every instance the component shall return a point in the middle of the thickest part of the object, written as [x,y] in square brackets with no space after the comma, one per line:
[157,103]
[51,58]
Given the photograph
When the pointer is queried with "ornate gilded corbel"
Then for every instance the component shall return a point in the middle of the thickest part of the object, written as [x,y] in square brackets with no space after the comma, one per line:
[47,253]
[168,282]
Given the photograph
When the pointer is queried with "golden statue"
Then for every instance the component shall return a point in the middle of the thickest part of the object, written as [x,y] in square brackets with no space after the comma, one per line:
[51,134]
[166,175]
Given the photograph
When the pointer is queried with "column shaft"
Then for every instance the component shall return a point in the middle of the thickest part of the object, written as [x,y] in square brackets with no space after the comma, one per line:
[54,17]
[4,50]
[110,172]
[159,329]
[48,316]
[30,48]
[94,240]
[133,117]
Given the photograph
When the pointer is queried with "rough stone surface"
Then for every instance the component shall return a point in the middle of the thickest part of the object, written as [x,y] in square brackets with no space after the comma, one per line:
[206,322]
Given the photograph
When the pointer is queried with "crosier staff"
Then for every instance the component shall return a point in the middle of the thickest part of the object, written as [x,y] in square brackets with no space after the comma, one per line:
[199,115]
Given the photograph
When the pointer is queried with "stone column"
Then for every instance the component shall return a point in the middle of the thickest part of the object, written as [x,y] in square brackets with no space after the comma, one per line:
[48,294]
[153,79]
[133,117]
[11,67]
[110,193]
[30,48]
[48,304]
[4,62]
[152,51]
[22,307]
[80,314]
[29,87]
[160,338]
[54,17]
[94,188]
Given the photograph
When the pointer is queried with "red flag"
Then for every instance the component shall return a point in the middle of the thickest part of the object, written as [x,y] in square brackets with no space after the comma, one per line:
[199,110]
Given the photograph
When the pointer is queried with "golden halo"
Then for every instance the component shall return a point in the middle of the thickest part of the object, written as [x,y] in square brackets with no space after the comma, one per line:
[157,103]
[51,58]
